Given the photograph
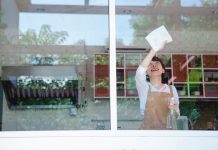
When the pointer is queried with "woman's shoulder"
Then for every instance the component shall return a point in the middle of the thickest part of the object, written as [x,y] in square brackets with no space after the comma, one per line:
[169,87]
[174,90]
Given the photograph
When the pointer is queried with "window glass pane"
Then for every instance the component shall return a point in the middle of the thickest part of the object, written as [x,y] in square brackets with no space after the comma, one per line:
[131,30]
[58,2]
[168,3]
[199,22]
[199,3]
[54,68]
[98,2]
[167,20]
[134,3]
[190,66]
[73,27]
[199,31]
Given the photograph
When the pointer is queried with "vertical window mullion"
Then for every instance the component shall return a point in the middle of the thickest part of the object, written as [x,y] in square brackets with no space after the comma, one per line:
[112,54]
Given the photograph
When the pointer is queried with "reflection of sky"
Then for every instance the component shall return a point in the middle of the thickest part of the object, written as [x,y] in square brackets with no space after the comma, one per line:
[186,3]
[92,2]
[91,28]
[124,30]
[105,2]
[58,2]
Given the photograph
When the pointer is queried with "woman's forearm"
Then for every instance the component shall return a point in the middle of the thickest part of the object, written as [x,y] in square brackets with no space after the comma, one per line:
[145,63]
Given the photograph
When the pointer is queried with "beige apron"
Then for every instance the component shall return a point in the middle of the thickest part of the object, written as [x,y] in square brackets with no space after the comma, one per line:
[156,110]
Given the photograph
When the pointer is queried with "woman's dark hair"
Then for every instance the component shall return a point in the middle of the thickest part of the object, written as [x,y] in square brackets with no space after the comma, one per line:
[155,58]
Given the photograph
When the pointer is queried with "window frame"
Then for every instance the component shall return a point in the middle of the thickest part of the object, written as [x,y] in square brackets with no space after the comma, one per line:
[113,132]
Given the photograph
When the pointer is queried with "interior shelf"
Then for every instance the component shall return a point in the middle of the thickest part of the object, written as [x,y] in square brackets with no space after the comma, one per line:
[193,75]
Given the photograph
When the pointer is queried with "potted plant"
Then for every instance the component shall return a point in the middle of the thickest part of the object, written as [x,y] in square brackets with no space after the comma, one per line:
[188,108]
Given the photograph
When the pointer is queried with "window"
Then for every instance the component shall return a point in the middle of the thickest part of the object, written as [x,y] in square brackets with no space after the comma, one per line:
[61,72]
[199,3]
[48,74]
[183,59]
[58,2]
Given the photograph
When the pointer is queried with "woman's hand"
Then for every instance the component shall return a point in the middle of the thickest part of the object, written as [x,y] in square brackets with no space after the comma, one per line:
[173,105]
[162,46]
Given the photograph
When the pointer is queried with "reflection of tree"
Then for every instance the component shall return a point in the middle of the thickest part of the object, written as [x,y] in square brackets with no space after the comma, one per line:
[209,22]
[193,23]
[167,21]
[80,42]
[208,2]
[45,36]
[142,25]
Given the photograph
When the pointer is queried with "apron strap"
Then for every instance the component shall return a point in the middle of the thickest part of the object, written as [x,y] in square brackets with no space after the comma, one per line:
[149,89]
[171,90]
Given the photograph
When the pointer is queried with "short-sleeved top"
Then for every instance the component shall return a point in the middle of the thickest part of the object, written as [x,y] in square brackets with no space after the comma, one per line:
[143,85]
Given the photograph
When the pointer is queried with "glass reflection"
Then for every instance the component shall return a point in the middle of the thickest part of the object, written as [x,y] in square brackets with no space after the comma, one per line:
[58,2]
[71,29]
[98,2]
[134,3]
[193,23]
[188,68]
[167,3]
[48,68]
[199,3]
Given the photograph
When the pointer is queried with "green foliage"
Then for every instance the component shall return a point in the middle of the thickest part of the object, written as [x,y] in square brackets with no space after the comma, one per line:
[195,23]
[44,101]
[167,2]
[142,25]
[43,60]
[45,37]
[188,108]
[209,3]
[131,83]
[193,117]
[51,59]
[195,75]
[45,83]
[102,60]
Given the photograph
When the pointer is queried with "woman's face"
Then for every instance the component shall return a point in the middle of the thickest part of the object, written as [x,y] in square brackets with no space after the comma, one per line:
[155,69]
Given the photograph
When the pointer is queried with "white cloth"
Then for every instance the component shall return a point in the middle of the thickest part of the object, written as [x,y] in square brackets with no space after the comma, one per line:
[157,37]
[143,86]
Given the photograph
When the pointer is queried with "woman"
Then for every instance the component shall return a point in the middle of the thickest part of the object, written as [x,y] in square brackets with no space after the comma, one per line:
[155,96]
